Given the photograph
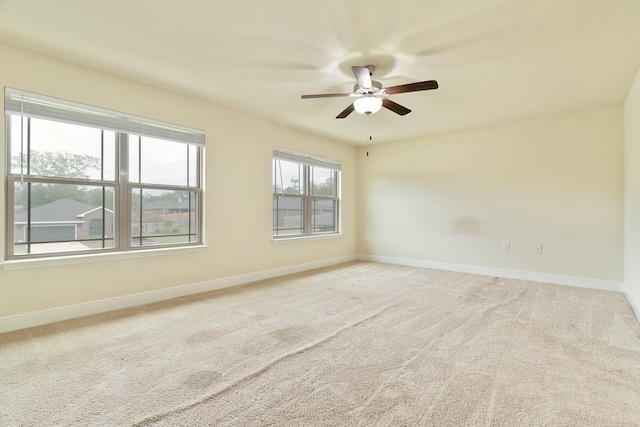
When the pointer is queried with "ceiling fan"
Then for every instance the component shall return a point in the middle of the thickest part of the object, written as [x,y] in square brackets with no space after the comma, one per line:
[371,96]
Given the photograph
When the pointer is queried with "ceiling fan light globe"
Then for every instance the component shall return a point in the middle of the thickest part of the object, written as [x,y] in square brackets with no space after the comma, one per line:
[367,105]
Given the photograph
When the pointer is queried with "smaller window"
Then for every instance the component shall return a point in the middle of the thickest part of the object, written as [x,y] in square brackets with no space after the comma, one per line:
[305,194]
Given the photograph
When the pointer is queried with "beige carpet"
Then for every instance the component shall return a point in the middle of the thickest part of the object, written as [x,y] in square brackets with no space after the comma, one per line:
[360,344]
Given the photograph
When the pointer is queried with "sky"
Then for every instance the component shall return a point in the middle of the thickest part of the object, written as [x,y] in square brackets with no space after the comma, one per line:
[163,162]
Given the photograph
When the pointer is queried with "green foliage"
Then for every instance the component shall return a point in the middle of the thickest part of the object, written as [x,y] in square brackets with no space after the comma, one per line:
[172,197]
[60,164]
[294,188]
[94,197]
[325,188]
[41,194]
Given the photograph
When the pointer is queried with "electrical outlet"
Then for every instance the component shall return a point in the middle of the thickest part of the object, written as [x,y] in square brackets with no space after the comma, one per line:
[537,248]
[506,246]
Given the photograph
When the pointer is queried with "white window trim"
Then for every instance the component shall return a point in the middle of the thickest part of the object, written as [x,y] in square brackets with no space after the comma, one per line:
[23,264]
[300,239]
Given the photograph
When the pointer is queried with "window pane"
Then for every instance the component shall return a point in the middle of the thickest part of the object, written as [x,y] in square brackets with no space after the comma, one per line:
[63,150]
[194,219]
[163,217]
[62,218]
[288,216]
[134,159]
[323,216]
[193,166]
[110,154]
[157,161]
[17,144]
[323,182]
[288,177]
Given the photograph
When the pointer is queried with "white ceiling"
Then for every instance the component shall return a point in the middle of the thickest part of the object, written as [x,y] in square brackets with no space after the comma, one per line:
[495,60]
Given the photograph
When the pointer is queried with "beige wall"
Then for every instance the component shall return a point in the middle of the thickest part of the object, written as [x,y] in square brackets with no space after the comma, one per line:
[632,193]
[454,198]
[238,192]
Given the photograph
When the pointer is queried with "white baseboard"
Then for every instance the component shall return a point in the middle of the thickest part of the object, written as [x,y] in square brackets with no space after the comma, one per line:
[498,272]
[633,301]
[43,317]
[37,318]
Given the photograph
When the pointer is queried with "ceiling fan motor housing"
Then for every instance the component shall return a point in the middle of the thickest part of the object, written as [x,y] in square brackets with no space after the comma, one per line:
[375,87]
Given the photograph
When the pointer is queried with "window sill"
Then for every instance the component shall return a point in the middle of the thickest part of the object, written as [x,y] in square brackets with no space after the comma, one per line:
[304,238]
[21,264]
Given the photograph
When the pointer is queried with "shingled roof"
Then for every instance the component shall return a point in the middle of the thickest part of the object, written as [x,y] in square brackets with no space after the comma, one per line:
[64,210]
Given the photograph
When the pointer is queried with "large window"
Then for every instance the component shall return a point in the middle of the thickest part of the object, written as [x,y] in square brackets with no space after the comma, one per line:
[306,194]
[83,179]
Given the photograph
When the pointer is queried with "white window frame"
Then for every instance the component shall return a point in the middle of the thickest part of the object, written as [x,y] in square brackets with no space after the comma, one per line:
[307,161]
[29,105]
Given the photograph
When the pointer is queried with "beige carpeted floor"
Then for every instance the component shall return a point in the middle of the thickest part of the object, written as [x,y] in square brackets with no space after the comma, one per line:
[360,344]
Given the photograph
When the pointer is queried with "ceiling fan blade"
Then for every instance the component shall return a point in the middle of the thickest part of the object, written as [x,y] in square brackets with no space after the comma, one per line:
[363,76]
[395,107]
[325,95]
[412,87]
[345,112]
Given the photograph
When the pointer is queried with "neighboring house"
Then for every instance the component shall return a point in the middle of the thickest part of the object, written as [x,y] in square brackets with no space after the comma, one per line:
[167,208]
[164,217]
[290,213]
[63,220]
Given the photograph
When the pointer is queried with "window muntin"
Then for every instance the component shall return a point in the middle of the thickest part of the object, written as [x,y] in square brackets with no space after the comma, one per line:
[66,193]
[305,195]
